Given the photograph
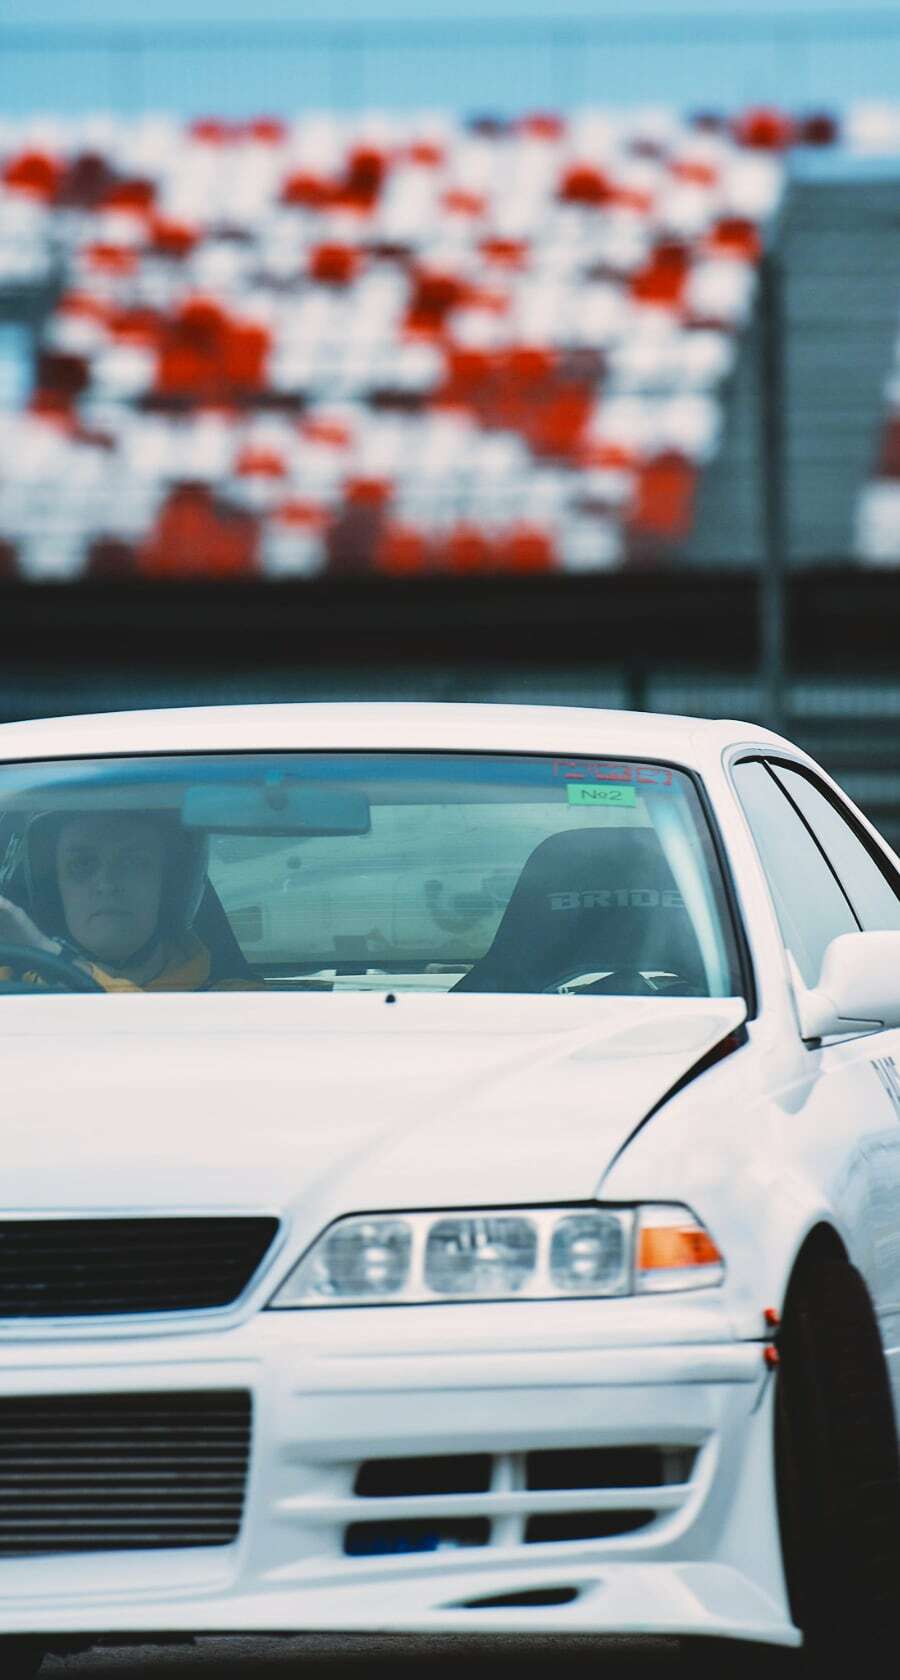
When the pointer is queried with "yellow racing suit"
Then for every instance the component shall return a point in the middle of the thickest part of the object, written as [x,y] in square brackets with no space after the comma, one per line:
[188,970]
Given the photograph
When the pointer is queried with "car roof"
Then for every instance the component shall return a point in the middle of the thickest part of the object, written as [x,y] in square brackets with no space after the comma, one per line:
[400,725]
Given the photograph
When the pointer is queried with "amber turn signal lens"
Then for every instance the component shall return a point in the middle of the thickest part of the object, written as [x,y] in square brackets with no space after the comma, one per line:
[662,1247]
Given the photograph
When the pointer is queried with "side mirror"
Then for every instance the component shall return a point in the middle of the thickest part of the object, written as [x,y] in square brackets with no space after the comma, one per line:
[858,988]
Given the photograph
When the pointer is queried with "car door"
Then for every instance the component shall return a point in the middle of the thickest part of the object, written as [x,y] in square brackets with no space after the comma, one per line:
[827,877]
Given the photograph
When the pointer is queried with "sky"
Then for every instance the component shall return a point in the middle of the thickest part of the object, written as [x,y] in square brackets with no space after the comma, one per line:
[139,13]
[80,55]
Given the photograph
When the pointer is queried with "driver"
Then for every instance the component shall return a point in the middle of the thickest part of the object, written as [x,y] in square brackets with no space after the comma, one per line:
[116,894]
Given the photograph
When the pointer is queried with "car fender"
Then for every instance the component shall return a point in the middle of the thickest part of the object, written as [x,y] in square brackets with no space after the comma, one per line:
[759,1204]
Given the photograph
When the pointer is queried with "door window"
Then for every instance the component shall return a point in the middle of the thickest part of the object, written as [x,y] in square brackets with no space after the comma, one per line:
[811,907]
[873,896]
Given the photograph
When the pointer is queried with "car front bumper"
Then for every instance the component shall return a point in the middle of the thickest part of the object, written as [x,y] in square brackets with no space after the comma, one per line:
[695,1553]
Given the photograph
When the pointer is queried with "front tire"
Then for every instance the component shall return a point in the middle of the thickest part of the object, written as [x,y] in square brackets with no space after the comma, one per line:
[837,1476]
[20,1658]
[837,1466]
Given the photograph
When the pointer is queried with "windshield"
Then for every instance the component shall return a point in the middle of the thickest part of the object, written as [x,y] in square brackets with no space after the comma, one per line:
[360,871]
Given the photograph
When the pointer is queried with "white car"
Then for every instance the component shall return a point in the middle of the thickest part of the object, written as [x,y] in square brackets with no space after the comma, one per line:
[451,1180]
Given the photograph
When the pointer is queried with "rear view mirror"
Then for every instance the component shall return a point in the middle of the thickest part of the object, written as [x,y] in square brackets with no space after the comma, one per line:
[276,806]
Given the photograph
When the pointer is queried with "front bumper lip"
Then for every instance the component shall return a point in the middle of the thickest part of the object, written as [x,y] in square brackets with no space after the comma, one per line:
[328,1395]
[614,1598]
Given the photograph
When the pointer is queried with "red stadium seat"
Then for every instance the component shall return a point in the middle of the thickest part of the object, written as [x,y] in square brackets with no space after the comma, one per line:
[35,174]
[526,548]
[402,550]
[663,501]
[194,538]
[768,129]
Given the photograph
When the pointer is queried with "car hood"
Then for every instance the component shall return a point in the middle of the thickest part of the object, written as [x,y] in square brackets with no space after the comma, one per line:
[335,1102]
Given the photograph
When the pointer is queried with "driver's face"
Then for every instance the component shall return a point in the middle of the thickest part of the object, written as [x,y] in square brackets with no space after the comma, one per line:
[110,871]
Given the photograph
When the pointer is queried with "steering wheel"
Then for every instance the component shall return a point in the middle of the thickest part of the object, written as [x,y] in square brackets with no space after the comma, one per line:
[24,958]
[636,984]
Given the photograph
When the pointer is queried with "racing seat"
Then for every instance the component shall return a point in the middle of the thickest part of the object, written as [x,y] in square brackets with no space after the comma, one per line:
[589,901]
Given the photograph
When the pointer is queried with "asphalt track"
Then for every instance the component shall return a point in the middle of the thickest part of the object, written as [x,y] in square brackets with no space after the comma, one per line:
[330,1657]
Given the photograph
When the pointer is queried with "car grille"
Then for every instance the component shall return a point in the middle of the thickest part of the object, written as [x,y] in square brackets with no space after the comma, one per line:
[61,1268]
[536,1498]
[122,1472]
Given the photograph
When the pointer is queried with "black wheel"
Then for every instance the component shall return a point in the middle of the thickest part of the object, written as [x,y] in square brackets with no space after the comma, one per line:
[20,1658]
[838,1483]
[837,1467]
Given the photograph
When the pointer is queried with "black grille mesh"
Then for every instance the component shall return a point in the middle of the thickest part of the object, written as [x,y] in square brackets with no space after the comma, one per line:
[61,1268]
[121,1472]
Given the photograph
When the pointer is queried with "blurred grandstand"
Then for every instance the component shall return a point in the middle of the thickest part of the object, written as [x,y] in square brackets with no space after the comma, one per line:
[343,346]
[283,349]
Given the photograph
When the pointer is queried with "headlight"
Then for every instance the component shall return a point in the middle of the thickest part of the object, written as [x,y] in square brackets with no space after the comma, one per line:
[496,1254]
[480,1255]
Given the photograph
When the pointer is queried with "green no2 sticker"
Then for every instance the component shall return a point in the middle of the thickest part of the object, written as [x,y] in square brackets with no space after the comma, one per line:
[597,793]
